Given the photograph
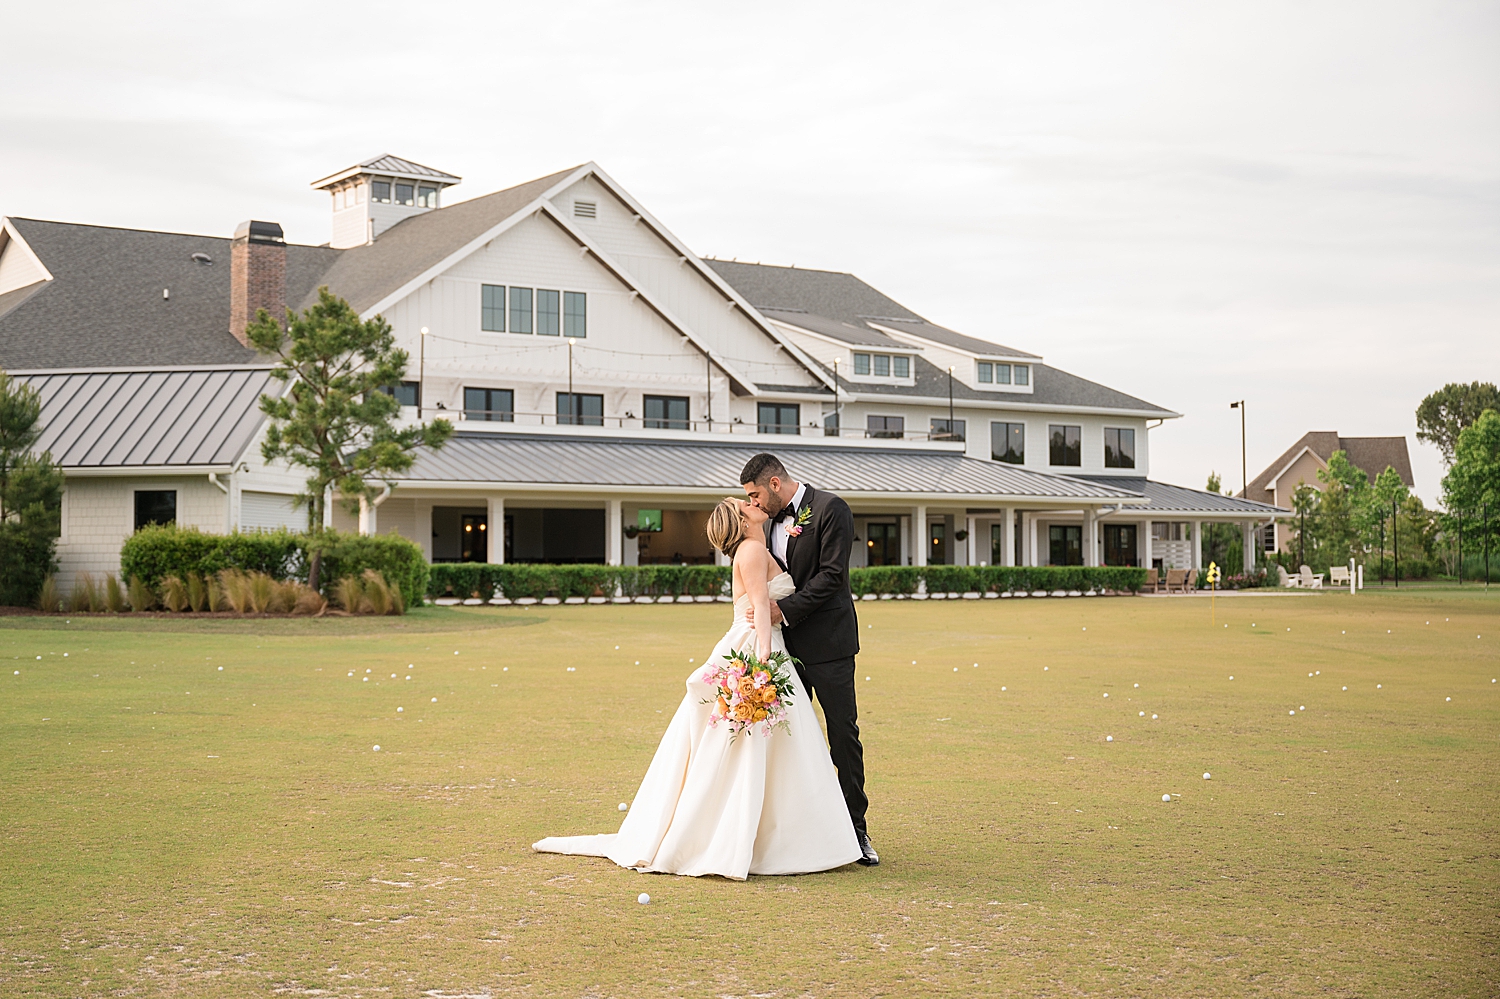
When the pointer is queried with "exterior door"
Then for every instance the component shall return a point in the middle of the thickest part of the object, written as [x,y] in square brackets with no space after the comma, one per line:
[1066,543]
[884,544]
[473,540]
[937,547]
[1120,544]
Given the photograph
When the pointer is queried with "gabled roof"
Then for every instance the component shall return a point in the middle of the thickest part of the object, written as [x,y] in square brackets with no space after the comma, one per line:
[157,419]
[104,306]
[711,467]
[364,275]
[1371,455]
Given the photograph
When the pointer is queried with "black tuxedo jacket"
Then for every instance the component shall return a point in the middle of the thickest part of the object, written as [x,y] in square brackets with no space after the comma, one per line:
[820,622]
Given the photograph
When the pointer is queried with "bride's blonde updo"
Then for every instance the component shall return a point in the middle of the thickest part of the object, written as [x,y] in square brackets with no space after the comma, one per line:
[726,526]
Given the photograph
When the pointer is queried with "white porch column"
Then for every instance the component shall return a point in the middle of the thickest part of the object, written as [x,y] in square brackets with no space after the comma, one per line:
[614,548]
[1091,536]
[1197,527]
[1144,543]
[495,528]
[906,555]
[1008,537]
[920,544]
[973,542]
[1248,527]
[1034,548]
[424,527]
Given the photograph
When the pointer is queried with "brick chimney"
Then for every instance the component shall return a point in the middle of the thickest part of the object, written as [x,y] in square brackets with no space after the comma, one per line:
[257,275]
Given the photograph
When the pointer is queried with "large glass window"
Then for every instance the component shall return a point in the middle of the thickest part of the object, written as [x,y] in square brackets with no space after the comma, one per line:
[937,543]
[986,373]
[861,364]
[426,197]
[1065,445]
[492,308]
[380,192]
[406,194]
[882,367]
[1023,374]
[1119,544]
[575,314]
[406,393]
[901,366]
[666,412]
[520,310]
[777,418]
[885,426]
[1119,447]
[580,409]
[884,544]
[1066,543]
[831,424]
[548,319]
[948,430]
[155,506]
[494,404]
[1008,442]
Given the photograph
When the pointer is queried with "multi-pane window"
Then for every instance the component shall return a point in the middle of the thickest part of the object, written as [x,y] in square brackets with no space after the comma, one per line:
[885,426]
[831,424]
[994,373]
[777,418]
[947,430]
[155,506]
[882,365]
[666,412]
[380,192]
[492,308]
[580,409]
[1119,447]
[575,314]
[427,197]
[1065,445]
[1008,443]
[406,393]
[520,310]
[406,194]
[1022,374]
[548,319]
[1066,544]
[494,404]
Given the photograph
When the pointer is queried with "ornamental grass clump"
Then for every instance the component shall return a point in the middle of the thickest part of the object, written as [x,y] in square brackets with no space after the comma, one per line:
[174,595]
[236,590]
[262,591]
[114,595]
[213,593]
[48,599]
[349,594]
[84,596]
[377,593]
[141,596]
[197,593]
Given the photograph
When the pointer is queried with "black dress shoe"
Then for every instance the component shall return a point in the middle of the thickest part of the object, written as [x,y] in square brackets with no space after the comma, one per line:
[868,856]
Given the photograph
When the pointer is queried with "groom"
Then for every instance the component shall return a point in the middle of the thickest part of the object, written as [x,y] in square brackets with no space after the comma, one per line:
[809,535]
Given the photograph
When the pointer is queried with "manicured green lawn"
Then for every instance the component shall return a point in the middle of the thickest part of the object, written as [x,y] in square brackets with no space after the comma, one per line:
[197,810]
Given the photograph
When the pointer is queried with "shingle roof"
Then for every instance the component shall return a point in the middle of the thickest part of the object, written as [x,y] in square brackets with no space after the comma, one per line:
[1371,455]
[948,338]
[1168,498]
[151,419]
[507,458]
[364,275]
[1049,387]
[104,306]
[859,336]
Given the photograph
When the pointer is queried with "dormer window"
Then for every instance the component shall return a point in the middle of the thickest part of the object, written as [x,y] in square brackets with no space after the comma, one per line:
[427,197]
[901,366]
[883,365]
[406,194]
[380,192]
[991,373]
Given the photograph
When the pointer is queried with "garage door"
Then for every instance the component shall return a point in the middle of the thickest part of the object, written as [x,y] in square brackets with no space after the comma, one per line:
[269,511]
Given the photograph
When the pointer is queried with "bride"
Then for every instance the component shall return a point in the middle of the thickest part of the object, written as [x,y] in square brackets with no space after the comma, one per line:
[716,803]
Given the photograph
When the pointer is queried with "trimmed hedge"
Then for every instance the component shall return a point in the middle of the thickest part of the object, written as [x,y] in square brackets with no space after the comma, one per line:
[155,552]
[483,580]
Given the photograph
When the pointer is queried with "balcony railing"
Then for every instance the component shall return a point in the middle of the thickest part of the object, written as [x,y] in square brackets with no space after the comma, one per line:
[631,422]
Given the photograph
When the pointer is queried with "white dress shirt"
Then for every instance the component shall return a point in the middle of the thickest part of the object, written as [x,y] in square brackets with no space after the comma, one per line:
[779,537]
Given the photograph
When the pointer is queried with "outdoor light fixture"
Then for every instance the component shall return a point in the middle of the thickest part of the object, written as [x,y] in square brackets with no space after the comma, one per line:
[1244,480]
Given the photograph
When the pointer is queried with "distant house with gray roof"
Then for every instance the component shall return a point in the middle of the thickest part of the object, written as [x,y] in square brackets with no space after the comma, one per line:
[602,376]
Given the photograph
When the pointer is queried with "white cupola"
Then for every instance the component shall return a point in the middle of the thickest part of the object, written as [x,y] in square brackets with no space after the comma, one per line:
[372,196]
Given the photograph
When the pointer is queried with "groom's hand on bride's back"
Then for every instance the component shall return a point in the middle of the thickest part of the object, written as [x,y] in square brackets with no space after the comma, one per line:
[776,617]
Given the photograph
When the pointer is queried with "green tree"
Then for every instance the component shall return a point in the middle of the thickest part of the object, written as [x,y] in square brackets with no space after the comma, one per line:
[337,417]
[1472,485]
[30,497]
[1445,413]
[1306,503]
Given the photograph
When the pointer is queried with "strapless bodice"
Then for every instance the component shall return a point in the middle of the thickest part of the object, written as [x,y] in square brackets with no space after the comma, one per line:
[779,586]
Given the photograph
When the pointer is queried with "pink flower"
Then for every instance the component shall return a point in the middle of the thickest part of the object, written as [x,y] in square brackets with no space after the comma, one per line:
[795,531]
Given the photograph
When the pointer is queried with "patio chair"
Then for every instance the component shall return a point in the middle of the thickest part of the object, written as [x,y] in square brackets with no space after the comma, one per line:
[1338,575]
[1177,580]
[1153,582]
[1290,582]
[1190,581]
[1309,580]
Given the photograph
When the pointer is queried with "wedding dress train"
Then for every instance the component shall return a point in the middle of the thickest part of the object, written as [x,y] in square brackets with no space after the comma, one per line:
[715,803]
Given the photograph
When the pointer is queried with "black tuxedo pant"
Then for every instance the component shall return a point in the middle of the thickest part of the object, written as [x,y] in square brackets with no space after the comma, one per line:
[833,685]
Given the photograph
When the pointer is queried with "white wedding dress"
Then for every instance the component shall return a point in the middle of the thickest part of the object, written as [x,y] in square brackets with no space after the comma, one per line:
[714,803]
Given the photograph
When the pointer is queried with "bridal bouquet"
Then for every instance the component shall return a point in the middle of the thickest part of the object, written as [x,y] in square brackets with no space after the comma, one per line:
[751,692]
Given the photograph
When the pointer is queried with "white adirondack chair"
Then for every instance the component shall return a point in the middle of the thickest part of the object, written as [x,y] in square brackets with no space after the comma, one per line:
[1290,582]
[1310,581]
[1338,575]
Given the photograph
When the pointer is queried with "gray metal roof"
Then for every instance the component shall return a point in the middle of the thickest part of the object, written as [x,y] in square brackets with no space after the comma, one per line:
[386,163]
[149,418]
[1168,498]
[543,460]
[104,307]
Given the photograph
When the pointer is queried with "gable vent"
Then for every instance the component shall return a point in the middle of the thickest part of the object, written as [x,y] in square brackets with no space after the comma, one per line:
[585,209]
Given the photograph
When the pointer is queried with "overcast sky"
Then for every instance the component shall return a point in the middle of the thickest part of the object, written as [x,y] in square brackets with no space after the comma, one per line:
[1291,203]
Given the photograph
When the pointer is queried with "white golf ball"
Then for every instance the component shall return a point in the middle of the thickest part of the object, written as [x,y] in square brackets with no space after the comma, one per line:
[624,807]
[1109,738]
[643,898]
[1291,712]
[1447,698]
[434,700]
[400,710]
[1143,714]
[1231,677]
[377,749]
[1343,688]
[1207,775]
[1377,686]
[1302,707]
[955,669]
[1002,689]
[1137,686]
[1153,718]
[221,668]
[1166,797]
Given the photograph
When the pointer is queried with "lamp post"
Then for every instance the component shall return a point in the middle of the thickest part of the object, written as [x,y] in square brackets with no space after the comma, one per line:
[573,406]
[421,371]
[1244,480]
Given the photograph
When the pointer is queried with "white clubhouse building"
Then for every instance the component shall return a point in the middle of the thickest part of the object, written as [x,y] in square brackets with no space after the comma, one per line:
[605,381]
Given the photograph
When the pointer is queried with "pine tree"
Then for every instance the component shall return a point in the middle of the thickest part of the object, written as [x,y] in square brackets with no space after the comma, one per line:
[30,497]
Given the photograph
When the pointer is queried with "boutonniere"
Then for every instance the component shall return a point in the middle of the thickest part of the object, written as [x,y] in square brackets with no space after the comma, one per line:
[804,517]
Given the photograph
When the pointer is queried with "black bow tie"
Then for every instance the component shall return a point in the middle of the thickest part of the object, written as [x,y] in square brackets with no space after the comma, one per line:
[787,513]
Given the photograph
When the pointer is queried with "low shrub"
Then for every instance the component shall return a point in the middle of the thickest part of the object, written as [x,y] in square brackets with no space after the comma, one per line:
[156,551]
[141,596]
[399,562]
[48,599]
